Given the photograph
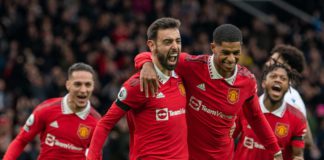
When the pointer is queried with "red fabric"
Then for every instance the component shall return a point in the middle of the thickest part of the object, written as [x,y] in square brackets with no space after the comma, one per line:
[212,105]
[62,136]
[157,125]
[250,145]
[102,130]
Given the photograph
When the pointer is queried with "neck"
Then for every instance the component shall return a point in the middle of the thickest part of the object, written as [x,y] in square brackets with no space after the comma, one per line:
[270,104]
[223,73]
[74,108]
[162,69]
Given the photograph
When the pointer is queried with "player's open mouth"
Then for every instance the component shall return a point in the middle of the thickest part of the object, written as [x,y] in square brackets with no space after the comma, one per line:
[173,57]
[276,89]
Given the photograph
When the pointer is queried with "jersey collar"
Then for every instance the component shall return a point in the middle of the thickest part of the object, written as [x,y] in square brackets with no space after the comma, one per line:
[215,75]
[162,77]
[278,112]
[67,110]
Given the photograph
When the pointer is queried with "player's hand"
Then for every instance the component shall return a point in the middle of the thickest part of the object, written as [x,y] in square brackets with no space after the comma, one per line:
[232,130]
[149,81]
[278,156]
[298,158]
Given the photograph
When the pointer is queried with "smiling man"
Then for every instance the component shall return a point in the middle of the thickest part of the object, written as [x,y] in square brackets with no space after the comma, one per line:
[287,122]
[65,124]
[217,89]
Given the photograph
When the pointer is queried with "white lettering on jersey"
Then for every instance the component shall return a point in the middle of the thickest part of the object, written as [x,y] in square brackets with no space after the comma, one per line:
[51,141]
[196,104]
[164,113]
[250,143]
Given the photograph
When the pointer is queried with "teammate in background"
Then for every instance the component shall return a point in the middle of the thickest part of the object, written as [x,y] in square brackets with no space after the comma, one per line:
[157,125]
[217,89]
[65,124]
[294,59]
[287,122]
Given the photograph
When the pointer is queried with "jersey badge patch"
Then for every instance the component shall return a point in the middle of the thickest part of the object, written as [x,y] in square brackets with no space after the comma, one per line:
[29,122]
[281,130]
[122,94]
[84,131]
[233,95]
[182,89]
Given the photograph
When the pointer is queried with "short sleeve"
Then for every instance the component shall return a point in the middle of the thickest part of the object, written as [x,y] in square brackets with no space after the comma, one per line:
[130,96]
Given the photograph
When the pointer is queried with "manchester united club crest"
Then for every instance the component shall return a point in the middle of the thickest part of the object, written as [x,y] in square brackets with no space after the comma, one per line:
[233,95]
[84,131]
[281,130]
[182,90]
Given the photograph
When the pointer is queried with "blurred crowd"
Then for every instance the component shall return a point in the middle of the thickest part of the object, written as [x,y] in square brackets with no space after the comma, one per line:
[39,40]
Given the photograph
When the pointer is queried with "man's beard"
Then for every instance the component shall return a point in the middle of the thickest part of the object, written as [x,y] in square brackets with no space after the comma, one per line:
[163,60]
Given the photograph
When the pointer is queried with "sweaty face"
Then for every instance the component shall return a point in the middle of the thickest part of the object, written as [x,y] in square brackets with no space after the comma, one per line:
[167,48]
[226,56]
[276,84]
[80,86]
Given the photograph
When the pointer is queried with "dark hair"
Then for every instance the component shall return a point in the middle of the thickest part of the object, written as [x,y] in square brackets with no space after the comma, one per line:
[81,67]
[161,23]
[291,55]
[227,33]
[293,75]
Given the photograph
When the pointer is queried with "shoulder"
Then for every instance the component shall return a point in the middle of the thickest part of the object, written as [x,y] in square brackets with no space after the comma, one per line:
[295,112]
[94,113]
[133,81]
[194,58]
[244,72]
[49,104]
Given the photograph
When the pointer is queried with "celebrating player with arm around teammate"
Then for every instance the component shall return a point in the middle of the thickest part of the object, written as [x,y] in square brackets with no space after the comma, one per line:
[287,122]
[65,124]
[157,125]
[217,89]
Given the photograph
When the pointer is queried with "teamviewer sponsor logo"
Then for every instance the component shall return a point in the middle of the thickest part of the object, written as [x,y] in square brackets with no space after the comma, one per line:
[195,103]
[52,141]
[162,114]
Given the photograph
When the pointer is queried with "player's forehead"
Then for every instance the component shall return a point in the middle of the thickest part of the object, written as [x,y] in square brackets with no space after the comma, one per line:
[230,46]
[169,33]
[279,71]
[81,76]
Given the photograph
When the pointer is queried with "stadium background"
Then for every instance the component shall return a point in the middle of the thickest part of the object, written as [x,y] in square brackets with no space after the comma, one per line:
[39,40]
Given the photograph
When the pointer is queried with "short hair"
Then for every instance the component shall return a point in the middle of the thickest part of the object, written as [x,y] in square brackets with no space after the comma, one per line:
[291,55]
[227,33]
[161,23]
[293,75]
[81,67]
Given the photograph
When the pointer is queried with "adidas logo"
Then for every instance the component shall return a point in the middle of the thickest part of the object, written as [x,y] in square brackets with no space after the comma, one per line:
[201,86]
[54,124]
[160,95]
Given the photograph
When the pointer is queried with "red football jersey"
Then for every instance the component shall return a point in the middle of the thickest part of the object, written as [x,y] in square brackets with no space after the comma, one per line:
[63,134]
[289,126]
[213,103]
[157,125]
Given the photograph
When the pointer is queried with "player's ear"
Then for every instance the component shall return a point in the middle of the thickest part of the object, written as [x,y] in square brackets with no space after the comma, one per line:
[263,83]
[68,85]
[151,45]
